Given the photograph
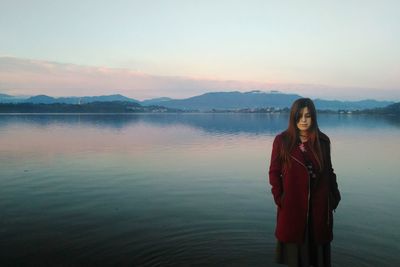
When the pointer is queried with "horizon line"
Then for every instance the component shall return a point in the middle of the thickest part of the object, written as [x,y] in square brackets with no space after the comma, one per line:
[242,92]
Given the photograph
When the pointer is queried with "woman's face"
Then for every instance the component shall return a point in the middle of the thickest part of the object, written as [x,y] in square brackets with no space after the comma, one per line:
[304,122]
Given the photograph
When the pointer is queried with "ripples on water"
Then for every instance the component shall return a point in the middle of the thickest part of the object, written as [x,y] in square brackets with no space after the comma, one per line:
[176,189]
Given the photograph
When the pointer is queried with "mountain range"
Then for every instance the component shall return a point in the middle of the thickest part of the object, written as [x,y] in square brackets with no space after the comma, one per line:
[208,101]
[44,99]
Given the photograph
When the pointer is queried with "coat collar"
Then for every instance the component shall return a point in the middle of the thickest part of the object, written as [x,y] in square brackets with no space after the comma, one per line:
[297,155]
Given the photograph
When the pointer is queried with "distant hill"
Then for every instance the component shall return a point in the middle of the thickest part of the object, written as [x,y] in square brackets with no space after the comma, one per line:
[4,98]
[41,99]
[258,99]
[209,101]
[153,101]
[393,109]
[232,100]
[4,95]
[92,107]
[44,99]
[350,105]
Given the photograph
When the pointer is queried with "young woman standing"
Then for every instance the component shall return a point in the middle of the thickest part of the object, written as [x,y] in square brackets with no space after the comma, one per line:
[304,189]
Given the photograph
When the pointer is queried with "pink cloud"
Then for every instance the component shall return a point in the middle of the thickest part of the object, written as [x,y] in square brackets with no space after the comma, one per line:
[31,77]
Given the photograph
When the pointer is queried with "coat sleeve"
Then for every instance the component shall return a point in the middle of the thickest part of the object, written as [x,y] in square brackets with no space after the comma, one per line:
[275,171]
[334,190]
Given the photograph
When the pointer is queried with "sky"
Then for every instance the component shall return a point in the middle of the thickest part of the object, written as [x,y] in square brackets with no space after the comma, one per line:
[342,49]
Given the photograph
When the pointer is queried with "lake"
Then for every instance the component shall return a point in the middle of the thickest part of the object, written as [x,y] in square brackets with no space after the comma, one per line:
[182,189]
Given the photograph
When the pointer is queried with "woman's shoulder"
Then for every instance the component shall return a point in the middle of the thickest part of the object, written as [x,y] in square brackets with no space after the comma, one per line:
[280,135]
[278,139]
[323,137]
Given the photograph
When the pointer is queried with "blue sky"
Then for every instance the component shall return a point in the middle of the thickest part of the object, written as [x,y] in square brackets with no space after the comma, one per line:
[337,49]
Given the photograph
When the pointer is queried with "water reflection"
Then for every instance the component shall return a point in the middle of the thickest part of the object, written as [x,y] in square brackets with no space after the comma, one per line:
[213,123]
[181,189]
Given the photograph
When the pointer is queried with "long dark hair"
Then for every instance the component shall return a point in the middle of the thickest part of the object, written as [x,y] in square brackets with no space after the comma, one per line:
[291,135]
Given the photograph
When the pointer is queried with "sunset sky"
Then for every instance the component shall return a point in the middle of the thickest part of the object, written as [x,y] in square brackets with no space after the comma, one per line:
[143,49]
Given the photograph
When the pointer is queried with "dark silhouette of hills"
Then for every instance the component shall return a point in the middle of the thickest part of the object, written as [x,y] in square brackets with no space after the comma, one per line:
[158,101]
[5,95]
[92,107]
[44,99]
[393,109]
[350,105]
[213,101]
[232,100]
[4,98]
[258,99]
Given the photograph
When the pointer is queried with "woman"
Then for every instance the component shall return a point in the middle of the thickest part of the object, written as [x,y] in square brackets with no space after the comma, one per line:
[304,189]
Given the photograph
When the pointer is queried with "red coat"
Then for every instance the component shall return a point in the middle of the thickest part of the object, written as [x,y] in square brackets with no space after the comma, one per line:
[291,192]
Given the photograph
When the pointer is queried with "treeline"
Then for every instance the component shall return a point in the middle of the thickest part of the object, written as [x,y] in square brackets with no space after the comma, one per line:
[393,109]
[93,107]
[132,107]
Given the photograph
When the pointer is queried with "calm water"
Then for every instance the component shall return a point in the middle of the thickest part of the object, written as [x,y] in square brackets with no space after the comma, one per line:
[181,189]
